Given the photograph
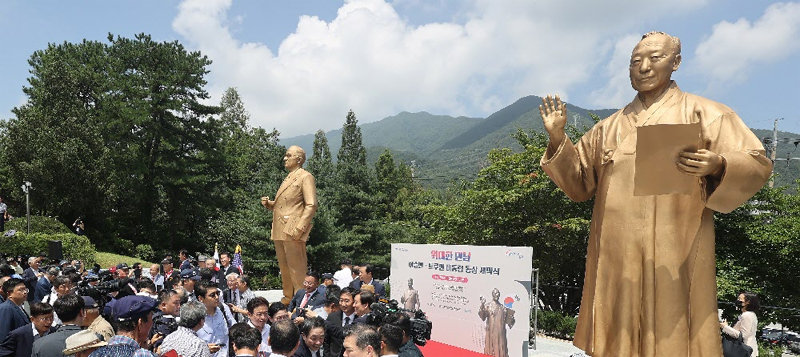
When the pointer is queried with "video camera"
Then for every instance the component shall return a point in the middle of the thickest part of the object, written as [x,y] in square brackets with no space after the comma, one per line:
[383,311]
[106,285]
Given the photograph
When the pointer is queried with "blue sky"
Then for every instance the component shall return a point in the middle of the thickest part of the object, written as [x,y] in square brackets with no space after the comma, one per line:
[300,65]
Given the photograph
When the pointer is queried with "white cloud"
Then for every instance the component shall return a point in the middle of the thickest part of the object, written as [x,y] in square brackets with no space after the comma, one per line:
[617,92]
[733,48]
[371,60]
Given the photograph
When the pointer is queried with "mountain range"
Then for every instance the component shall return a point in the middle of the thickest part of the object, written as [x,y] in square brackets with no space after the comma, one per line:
[443,149]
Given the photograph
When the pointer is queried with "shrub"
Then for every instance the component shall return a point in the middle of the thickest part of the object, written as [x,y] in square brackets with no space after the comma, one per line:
[39,224]
[553,323]
[145,252]
[74,246]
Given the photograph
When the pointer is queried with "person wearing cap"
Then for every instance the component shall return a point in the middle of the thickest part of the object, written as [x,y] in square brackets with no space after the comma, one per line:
[218,318]
[184,339]
[83,343]
[133,317]
[93,321]
[189,277]
[15,264]
[343,276]
[167,270]
[70,309]
[122,271]
[19,342]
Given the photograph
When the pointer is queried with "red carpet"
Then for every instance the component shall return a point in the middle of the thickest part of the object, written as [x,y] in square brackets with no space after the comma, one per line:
[437,349]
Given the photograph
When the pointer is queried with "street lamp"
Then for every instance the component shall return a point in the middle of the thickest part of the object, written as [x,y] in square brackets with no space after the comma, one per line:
[26,187]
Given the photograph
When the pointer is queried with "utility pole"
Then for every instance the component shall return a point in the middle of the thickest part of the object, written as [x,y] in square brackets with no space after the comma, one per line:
[26,187]
[774,150]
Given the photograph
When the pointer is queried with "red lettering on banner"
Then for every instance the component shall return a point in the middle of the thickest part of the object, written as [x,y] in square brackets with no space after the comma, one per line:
[450,278]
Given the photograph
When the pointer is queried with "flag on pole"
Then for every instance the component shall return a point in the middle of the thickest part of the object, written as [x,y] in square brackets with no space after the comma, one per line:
[216,254]
[237,259]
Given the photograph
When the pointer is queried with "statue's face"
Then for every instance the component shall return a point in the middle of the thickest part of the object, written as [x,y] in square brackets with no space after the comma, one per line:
[291,160]
[496,294]
[652,62]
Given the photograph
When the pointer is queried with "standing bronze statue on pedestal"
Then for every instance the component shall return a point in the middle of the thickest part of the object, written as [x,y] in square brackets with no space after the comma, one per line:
[650,287]
[292,211]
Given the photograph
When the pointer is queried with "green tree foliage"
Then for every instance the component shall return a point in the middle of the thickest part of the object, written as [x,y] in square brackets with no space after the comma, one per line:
[320,164]
[758,249]
[353,191]
[513,202]
[116,132]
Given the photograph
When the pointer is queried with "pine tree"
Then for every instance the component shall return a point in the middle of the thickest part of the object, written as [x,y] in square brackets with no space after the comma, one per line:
[321,163]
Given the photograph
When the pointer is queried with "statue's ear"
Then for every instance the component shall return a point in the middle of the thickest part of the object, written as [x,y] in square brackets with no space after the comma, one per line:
[677,62]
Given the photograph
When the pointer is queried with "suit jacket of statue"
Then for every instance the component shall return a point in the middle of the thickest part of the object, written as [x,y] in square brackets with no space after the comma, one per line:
[334,335]
[317,299]
[19,342]
[295,205]
[650,286]
[11,317]
[380,290]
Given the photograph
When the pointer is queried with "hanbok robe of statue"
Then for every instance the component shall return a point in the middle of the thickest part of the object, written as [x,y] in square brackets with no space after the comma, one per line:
[650,284]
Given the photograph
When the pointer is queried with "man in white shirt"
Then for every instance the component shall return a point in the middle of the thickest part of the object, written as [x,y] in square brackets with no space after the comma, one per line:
[258,314]
[217,322]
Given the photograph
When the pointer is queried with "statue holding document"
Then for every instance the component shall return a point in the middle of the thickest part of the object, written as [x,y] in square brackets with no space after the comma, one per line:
[650,287]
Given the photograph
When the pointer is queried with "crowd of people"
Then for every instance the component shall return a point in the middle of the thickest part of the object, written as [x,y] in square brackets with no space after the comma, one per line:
[190,307]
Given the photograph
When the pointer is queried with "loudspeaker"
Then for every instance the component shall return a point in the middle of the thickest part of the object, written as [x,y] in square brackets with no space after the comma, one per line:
[54,250]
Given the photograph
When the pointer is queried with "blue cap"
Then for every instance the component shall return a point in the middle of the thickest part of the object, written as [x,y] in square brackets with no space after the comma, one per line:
[190,274]
[133,307]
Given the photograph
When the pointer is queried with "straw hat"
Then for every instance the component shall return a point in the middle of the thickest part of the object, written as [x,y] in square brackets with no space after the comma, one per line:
[82,341]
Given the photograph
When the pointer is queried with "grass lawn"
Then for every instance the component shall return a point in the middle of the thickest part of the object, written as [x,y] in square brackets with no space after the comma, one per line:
[107,260]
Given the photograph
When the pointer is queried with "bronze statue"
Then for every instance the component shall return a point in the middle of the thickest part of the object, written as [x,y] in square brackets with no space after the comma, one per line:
[650,286]
[292,211]
[497,317]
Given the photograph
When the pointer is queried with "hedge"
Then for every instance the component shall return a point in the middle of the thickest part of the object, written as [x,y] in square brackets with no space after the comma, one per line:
[74,246]
[553,323]
[39,224]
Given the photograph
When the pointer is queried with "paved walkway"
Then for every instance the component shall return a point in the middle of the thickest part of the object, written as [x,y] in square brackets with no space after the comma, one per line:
[550,347]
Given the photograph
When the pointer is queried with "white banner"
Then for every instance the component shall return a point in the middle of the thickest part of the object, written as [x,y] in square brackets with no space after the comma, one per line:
[478,298]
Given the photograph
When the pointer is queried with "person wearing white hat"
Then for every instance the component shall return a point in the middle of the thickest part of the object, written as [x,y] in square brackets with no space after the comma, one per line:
[83,343]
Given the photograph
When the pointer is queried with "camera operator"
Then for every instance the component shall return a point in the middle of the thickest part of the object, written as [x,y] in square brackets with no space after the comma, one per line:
[408,348]
[391,340]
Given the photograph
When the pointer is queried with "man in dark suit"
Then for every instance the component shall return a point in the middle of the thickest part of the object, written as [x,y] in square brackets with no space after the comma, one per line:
[31,275]
[45,284]
[12,315]
[69,309]
[337,321]
[365,278]
[225,268]
[311,297]
[19,342]
[312,336]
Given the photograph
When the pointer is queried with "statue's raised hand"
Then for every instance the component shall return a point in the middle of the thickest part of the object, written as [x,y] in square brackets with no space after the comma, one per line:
[554,116]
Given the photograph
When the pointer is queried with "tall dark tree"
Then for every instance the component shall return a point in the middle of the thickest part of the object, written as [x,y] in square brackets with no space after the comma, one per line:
[353,196]
[116,132]
[320,164]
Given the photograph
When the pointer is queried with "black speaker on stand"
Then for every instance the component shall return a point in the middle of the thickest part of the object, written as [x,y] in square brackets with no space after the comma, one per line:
[55,250]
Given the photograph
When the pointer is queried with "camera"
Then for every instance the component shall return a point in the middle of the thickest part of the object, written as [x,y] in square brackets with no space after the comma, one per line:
[385,311]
